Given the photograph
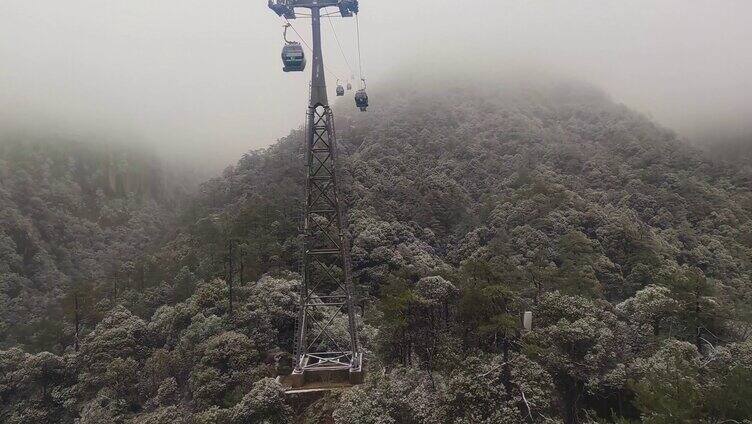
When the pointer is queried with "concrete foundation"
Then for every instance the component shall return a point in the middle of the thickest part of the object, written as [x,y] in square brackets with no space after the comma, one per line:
[321,380]
[324,378]
[296,379]
[356,377]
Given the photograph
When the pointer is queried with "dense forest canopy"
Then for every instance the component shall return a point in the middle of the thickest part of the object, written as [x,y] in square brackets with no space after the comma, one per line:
[75,219]
[467,205]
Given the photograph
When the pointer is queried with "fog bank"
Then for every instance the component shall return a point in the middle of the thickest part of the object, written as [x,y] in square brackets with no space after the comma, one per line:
[201,81]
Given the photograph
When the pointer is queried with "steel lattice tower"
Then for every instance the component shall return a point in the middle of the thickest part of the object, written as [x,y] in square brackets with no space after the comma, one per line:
[326,342]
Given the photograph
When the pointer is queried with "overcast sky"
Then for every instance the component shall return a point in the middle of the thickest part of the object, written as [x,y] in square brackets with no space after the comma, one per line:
[202,79]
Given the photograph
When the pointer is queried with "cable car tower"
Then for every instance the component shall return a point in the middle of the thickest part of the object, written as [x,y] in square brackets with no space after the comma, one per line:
[326,351]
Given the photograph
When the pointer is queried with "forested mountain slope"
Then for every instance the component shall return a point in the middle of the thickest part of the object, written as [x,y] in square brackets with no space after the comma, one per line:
[529,184]
[74,218]
[467,205]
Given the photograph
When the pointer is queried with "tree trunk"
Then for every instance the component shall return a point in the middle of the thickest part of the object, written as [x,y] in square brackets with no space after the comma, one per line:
[698,330]
[570,390]
[242,268]
[229,274]
[76,320]
[506,373]
[141,277]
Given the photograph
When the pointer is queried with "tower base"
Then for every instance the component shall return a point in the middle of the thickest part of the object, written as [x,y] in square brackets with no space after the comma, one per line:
[322,379]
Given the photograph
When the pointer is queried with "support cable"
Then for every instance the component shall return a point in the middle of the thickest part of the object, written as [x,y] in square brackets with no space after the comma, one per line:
[360,56]
[299,36]
[334,31]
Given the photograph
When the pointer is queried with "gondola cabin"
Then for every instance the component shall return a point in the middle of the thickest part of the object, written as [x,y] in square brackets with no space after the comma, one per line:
[361,100]
[340,90]
[293,57]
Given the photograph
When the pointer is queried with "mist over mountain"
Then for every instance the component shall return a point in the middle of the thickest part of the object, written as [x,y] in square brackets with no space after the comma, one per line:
[733,148]
[468,204]
[202,81]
